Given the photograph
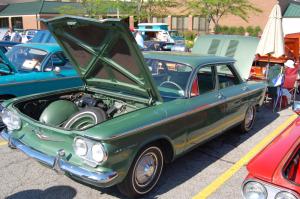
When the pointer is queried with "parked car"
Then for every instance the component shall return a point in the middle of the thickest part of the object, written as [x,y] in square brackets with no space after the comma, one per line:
[35,68]
[275,171]
[158,38]
[177,37]
[28,34]
[132,116]
[43,36]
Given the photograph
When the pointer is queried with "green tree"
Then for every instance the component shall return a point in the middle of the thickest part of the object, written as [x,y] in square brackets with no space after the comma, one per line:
[146,9]
[92,8]
[216,9]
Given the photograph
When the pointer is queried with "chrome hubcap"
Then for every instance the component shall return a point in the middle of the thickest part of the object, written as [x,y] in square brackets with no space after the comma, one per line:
[146,169]
[249,117]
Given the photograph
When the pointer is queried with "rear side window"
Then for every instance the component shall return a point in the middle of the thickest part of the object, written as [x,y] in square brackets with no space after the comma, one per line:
[204,81]
[226,76]
[58,60]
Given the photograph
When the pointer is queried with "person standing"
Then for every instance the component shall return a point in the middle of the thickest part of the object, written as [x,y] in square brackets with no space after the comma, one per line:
[7,35]
[16,37]
[139,39]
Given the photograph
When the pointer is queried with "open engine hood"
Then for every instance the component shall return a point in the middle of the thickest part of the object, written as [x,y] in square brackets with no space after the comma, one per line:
[105,54]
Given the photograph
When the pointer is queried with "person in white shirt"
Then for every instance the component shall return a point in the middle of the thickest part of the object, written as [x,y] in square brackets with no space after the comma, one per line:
[139,39]
[15,37]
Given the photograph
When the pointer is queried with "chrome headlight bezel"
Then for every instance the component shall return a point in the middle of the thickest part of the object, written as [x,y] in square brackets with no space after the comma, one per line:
[95,153]
[285,194]
[272,189]
[11,120]
[90,157]
[78,142]
[256,187]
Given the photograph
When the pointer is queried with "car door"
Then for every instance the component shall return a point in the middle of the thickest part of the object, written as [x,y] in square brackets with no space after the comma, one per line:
[58,73]
[231,89]
[47,79]
[205,106]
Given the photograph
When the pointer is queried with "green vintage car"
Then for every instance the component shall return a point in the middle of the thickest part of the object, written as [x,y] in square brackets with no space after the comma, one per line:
[135,112]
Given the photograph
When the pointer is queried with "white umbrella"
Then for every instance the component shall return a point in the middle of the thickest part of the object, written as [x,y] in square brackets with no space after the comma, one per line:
[272,41]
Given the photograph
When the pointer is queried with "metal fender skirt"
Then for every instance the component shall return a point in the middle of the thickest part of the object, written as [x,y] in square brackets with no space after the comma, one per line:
[101,179]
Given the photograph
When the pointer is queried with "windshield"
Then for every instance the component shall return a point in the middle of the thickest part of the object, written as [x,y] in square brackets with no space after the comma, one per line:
[171,78]
[26,58]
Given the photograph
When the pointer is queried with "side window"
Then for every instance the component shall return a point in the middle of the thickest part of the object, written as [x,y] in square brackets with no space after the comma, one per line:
[58,60]
[204,81]
[226,76]
[3,66]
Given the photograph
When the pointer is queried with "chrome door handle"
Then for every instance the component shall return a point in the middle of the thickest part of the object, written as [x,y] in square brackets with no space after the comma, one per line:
[244,88]
[220,96]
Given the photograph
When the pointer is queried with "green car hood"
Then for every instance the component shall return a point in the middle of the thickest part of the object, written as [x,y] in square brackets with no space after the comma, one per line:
[7,62]
[241,48]
[105,54]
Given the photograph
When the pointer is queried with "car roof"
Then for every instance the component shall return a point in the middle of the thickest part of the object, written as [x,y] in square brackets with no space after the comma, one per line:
[49,47]
[191,59]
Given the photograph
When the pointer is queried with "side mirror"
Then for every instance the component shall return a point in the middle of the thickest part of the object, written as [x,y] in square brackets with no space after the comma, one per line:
[296,107]
[56,70]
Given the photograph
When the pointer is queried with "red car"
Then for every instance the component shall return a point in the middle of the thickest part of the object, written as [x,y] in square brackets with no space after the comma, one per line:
[275,171]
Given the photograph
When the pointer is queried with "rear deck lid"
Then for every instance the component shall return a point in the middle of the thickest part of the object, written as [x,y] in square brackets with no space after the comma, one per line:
[105,54]
[241,48]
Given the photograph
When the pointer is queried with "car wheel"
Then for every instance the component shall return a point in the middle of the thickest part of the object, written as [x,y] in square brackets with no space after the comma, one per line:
[144,173]
[85,118]
[248,122]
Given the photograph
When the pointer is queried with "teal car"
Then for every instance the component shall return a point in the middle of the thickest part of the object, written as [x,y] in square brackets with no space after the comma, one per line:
[35,68]
[135,112]
[157,37]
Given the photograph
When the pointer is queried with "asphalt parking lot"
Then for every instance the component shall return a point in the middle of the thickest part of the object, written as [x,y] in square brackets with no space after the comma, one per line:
[208,171]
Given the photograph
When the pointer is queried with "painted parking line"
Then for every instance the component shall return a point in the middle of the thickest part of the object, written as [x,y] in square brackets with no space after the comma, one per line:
[3,143]
[217,183]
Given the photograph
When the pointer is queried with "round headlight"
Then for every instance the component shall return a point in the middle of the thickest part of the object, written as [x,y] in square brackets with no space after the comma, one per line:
[254,190]
[80,147]
[98,153]
[285,195]
[11,120]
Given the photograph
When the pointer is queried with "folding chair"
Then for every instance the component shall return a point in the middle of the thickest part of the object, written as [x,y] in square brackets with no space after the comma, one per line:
[290,83]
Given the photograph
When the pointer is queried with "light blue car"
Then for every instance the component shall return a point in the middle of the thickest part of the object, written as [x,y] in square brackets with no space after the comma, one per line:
[35,68]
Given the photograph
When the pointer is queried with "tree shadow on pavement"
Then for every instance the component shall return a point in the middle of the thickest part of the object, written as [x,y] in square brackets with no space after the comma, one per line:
[56,192]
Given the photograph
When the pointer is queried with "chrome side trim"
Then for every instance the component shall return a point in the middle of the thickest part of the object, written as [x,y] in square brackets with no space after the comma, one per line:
[272,190]
[60,165]
[201,108]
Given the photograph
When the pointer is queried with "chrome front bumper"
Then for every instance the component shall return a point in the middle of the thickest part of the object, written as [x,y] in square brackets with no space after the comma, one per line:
[101,179]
